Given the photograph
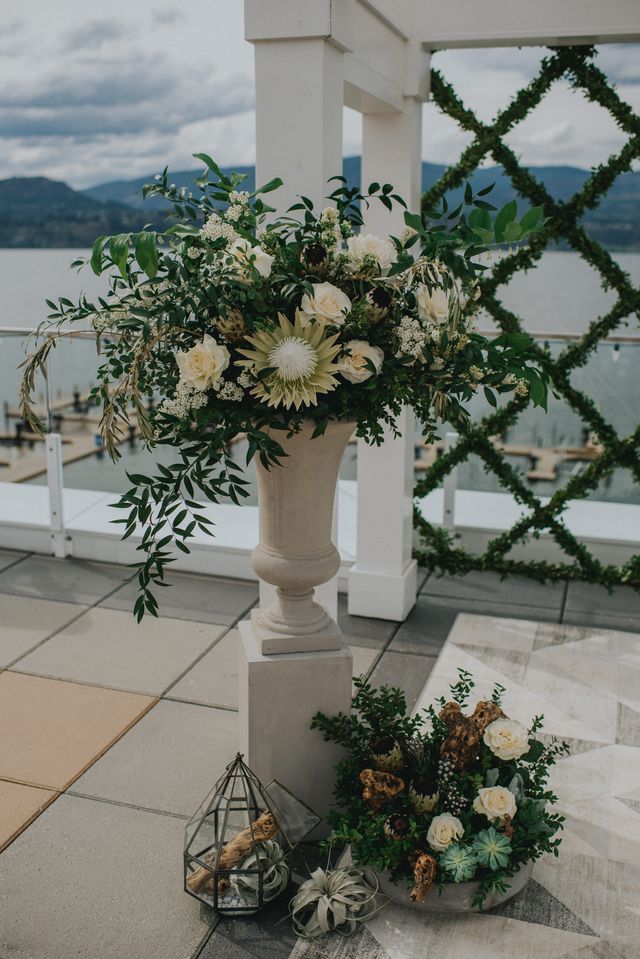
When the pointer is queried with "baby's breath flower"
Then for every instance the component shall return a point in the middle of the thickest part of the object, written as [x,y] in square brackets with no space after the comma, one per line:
[231,391]
[215,228]
[235,212]
[185,399]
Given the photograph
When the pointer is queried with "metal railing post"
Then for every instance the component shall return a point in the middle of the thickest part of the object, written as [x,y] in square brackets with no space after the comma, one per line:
[450,486]
[60,542]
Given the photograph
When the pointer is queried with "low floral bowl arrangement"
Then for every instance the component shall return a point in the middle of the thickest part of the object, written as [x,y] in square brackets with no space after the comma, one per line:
[443,802]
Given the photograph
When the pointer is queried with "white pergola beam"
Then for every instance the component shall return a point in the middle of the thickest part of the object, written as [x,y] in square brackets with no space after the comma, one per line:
[456,24]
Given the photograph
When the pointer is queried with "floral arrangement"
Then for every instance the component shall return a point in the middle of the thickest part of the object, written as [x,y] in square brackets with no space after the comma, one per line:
[442,797]
[235,320]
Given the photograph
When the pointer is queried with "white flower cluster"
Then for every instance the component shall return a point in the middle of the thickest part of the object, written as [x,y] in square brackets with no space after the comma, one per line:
[235,212]
[241,197]
[230,391]
[194,253]
[245,379]
[215,227]
[108,319]
[412,338]
[186,399]
[330,234]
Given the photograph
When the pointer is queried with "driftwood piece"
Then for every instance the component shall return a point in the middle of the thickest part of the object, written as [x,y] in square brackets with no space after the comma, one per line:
[379,787]
[465,732]
[237,849]
[424,874]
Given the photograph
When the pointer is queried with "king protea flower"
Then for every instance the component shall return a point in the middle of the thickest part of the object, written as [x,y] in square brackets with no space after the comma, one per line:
[301,360]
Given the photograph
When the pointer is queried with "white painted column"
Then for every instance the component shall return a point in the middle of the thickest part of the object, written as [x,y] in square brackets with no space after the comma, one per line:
[299,102]
[383,580]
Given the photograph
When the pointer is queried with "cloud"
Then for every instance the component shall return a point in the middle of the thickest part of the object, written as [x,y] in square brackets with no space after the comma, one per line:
[123,96]
[94,34]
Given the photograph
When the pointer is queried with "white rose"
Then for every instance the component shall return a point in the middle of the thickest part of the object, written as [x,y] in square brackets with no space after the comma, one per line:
[444,830]
[327,305]
[495,802]
[353,365]
[243,252]
[367,244]
[506,739]
[203,365]
[432,305]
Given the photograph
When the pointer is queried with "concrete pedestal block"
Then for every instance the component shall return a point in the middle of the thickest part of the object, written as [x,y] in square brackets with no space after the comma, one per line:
[279,695]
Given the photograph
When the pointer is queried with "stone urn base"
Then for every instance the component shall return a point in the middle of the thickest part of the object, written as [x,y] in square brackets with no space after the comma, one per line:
[455,898]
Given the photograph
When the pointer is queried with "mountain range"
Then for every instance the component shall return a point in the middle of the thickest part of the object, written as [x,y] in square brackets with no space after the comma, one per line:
[38,212]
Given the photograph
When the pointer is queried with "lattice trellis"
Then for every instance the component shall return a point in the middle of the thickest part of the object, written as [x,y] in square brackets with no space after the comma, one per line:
[438,551]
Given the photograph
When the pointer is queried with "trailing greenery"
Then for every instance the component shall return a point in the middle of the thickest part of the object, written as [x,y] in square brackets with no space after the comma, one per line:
[438,550]
[436,789]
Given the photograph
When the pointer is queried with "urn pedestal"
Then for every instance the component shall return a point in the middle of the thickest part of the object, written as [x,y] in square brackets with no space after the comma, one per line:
[293,658]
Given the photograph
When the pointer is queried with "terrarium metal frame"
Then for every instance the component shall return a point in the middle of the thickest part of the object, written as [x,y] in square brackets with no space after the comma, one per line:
[438,551]
[213,817]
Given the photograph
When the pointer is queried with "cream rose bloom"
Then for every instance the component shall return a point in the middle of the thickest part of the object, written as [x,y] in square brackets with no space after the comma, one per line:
[444,830]
[506,739]
[367,244]
[202,366]
[495,802]
[432,305]
[353,365]
[328,305]
[243,252]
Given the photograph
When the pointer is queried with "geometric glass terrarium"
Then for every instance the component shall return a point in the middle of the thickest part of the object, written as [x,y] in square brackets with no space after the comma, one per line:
[239,842]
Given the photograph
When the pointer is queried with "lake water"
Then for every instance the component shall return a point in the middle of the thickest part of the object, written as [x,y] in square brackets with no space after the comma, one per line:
[561,295]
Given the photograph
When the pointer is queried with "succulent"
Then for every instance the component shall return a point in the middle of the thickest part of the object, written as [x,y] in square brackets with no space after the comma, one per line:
[459,862]
[492,848]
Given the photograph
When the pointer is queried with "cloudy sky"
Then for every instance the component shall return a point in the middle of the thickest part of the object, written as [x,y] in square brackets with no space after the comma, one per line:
[92,92]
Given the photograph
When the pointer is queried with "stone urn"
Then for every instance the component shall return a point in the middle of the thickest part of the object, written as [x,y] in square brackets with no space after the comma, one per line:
[295,553]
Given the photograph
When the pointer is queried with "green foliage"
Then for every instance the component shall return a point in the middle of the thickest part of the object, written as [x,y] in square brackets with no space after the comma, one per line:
[223,273]
[484,851]
[438,551]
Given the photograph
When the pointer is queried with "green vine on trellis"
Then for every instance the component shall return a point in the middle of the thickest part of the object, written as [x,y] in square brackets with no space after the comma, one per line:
[438,551]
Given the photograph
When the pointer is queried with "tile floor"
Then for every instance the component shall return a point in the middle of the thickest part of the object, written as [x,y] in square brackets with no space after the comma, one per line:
[110,734]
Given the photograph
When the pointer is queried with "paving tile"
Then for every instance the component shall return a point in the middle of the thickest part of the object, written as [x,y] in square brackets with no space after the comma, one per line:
[362,631]
[206,599]
[428,624]
[19,805]
[94,880]
[425,628]
[405,670]
[26,622]
[363,659]
[214,678]
[168,761]
[52,730]
[10,556]
[588,598]
[490,588]
[66,580]
[108,647]
[602,620]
